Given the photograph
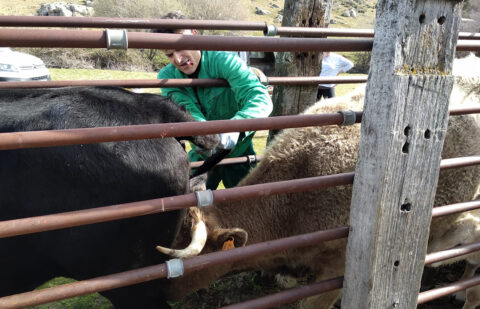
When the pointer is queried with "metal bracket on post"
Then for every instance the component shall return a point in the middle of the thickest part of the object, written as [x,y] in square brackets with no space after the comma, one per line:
[270,31]
[349,117]
[116,39]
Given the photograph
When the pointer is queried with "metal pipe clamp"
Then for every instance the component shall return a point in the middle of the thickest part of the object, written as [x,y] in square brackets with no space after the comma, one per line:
[116,39]
[174,268]
[349,117]
[204,198]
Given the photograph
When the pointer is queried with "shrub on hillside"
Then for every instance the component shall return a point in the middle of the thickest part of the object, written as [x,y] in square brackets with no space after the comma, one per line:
[194,9]
[83,58]
[361,61]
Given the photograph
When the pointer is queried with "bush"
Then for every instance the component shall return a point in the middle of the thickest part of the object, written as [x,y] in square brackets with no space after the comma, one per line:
[361,61]
[84,58]
[193,9]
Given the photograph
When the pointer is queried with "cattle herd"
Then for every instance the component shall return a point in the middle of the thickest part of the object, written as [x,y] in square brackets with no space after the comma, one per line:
[58,179]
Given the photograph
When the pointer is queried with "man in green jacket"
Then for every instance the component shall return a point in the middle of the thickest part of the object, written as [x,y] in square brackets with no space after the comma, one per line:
[245,98]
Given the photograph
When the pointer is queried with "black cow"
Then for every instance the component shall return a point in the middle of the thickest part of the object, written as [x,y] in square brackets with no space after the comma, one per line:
[50,180]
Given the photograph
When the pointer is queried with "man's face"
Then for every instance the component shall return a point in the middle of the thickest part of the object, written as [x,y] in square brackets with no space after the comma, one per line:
[186,61]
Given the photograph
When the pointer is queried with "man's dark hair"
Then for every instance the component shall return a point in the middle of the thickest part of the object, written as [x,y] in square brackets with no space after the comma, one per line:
[170,15]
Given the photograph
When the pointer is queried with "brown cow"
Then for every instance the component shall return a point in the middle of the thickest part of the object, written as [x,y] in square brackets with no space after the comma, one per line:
[315,151]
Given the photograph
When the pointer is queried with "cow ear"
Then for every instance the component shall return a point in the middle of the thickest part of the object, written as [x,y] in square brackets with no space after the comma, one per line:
[236,236]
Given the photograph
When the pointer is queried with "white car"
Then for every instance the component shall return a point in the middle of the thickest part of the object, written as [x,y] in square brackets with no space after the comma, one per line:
[17,66]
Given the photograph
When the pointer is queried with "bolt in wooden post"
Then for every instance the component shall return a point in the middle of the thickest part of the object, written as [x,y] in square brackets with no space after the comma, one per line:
[407,96]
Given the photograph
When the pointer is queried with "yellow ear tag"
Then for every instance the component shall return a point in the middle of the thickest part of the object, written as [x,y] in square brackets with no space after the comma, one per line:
[228,244]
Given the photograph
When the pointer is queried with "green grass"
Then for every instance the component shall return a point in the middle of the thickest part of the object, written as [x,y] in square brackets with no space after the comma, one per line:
[94,300]
[94,74]
[88,74]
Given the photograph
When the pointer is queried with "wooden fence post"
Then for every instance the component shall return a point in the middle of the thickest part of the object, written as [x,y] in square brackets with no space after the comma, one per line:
[402,134]
[292,100]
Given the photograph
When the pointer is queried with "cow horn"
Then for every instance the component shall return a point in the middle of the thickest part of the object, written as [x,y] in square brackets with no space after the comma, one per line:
[199,238]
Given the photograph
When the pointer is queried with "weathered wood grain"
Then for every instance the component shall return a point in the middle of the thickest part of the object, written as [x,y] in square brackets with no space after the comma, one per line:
[403,129]
[292,100]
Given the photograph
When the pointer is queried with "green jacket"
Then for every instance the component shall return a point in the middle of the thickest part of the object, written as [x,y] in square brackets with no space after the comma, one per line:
[245,98]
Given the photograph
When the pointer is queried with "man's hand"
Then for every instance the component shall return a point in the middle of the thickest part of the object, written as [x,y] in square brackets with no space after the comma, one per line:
[204,152]
[228,140]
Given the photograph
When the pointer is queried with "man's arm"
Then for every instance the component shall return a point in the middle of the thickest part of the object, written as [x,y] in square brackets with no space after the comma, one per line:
[344,64]
[182,96]
[255,102]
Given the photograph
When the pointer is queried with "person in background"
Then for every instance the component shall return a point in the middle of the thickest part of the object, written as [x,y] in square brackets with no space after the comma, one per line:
[332,65]
[245,97]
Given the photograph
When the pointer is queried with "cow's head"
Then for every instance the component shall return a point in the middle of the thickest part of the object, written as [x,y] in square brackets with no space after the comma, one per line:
[200,232]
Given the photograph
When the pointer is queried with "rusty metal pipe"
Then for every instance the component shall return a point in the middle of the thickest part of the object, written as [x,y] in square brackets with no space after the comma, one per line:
[455,208]
[230,161]
[459,162]
[121,211]
[108,213]
[290,296]
[159,271]
[315,80]
[357,33]
[445,164]
[451,253]
[132,23]
[97,39]
[98,284]
[187,82]
[46,138]
[131,83]
[464,110]
[147,23]
[259,249]
[449,289]
[94,215]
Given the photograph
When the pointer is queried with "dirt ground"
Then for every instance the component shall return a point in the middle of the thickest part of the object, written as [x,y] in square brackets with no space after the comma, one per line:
[249,285]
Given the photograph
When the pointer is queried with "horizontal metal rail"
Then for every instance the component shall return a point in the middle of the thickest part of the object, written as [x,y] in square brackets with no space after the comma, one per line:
[345,32]
[295,294]
[98,39]
[229,161]
[48,138]
[290,296]
[121,211]
[460,162]
[451,253]
[146,23]
[37,224]
[449,289]
[187,82]
[159,271]
[437,211]
[132,23]
[455,208]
